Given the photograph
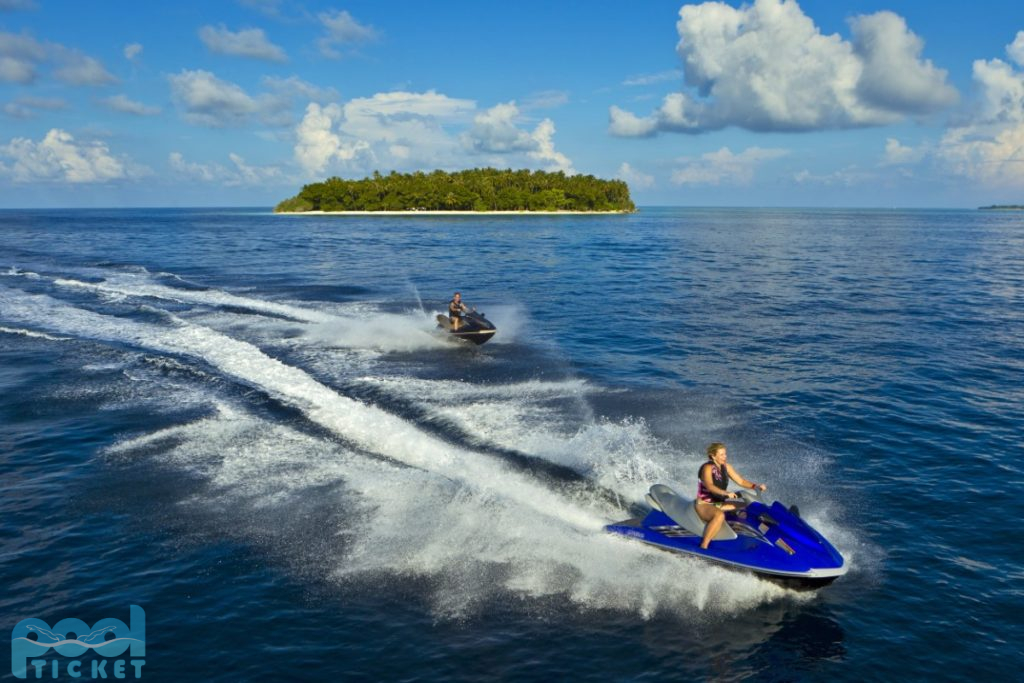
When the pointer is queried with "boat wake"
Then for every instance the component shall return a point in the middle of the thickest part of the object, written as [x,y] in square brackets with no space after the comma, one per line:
[430,498]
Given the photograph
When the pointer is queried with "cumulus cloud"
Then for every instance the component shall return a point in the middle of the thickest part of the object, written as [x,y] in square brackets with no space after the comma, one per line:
[989,148]
[29,107]
[59,157]
[1015,50]
[125,105]
[496,131]
[210,101]
[238,174]
[77,68]
[405,130]
[22,56]
[767,67]
[317,145]
[723,166]
[395,129]
[894,77]
[132,51]
[897,154]
[251,43]
[636,179]
[206,100]
[342,30]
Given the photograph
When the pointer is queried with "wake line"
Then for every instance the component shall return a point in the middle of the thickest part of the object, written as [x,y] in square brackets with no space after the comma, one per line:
[369,427]
[208,297]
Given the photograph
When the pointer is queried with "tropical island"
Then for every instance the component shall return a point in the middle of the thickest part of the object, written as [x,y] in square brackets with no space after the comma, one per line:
[486,190]
[1003,207]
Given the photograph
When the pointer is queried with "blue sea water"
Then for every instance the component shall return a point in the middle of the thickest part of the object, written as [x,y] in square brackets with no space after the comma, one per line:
[245,424]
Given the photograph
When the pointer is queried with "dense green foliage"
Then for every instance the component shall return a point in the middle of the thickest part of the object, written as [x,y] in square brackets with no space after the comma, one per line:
[481,189]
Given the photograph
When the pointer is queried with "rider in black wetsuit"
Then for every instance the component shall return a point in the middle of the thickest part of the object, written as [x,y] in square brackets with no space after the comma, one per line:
[455,310]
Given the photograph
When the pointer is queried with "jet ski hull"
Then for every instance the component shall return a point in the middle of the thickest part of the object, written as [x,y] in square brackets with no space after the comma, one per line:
[769,541]
[474,328]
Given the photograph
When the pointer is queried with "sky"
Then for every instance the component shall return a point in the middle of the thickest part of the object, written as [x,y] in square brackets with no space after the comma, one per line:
[766,103]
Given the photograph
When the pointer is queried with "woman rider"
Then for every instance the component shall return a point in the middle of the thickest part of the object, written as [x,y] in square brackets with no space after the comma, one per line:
[712,481]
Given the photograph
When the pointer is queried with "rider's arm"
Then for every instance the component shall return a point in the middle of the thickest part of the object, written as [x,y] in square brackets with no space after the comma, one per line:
[736,477]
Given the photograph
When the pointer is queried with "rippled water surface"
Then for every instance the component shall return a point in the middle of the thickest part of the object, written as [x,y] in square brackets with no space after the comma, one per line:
[245,424]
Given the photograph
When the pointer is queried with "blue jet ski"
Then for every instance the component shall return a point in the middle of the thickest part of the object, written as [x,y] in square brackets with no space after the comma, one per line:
[771,541]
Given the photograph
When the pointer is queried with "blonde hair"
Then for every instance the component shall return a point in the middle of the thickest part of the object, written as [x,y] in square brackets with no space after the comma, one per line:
[714,448]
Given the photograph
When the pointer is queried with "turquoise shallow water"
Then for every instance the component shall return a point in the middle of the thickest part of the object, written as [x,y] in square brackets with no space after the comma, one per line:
[244,423]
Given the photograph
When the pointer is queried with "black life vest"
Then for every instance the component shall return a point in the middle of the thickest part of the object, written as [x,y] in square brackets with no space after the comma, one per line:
[719,477]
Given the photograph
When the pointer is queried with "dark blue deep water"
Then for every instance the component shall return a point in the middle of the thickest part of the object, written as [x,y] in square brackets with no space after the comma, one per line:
[244,424]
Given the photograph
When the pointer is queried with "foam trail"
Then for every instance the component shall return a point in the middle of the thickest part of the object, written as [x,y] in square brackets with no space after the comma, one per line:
[210,297]
[30,333]
[472,546]
[381,332]
[367,426]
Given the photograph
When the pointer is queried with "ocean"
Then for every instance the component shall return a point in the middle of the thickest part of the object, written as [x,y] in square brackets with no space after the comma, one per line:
[245,424]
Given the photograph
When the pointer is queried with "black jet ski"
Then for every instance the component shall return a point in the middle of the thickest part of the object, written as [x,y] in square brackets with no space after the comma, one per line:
[474,327]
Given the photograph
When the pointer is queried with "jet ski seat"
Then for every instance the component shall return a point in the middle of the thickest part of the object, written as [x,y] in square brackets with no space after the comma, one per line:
[683,513]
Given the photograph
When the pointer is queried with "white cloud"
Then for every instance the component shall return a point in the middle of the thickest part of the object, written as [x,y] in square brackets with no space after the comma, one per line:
[405,131]
[989,149]
[29,107]
[636,179]
[723,166]
[125,105]
[76,68]
[893,76]
[1015,50]
[315,143]
[208,101]
[59,157]
[342,30]
[546,153]
[251,43]
[413,124]
[628,125]
[21,57]
[897,154]
[495,131]
[651,79]
[132,51]
[238,174]
[767,67]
